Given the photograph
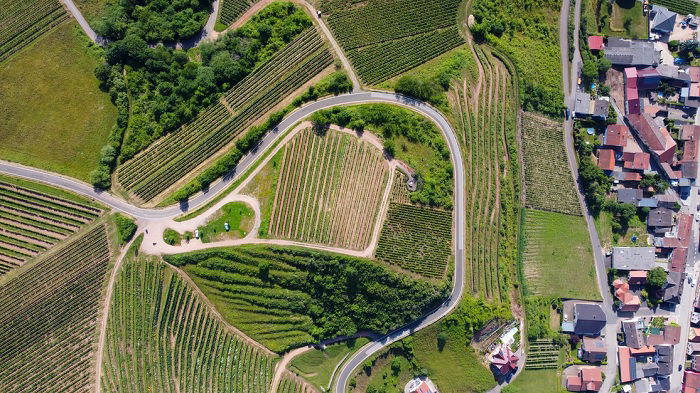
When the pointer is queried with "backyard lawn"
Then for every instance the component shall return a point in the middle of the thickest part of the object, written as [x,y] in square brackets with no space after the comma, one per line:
[624,19]
[558,258]
[541,381]
[238,215]
[637,227]
[52,113]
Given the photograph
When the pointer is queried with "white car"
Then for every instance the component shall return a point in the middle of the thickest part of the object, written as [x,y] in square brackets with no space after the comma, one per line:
[196,233]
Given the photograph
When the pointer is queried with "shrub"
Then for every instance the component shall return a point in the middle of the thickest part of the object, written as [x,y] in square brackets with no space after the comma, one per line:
[100,178]
[126,227]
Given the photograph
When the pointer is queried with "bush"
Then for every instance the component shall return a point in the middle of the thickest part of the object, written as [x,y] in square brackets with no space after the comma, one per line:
[100,178]
[657,277]
[417,87]
[171,237]
[126,228]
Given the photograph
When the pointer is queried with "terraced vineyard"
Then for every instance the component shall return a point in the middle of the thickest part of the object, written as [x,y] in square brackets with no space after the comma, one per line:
[486,120]
[542,353]
[231,10]
[386,38]
[288,297]
[290,383]
[417,239]
[21,22]
[683,7]
[48,313]
[34,218]
[162,337]
[329,190]
[548,182]
[171,158]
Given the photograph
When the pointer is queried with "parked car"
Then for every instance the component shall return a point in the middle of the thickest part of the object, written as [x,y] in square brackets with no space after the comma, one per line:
[196,233]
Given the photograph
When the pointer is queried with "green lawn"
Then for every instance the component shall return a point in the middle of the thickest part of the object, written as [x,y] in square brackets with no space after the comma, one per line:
[92,9]
[625,19]
[263,187]
[540,381]
[558,258]
[240,218]
[52,113]
[317,366]
[637,227]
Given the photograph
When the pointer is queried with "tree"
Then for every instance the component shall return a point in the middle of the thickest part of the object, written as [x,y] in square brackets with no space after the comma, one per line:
[100,178]
[390,147]
[441,340]
[657,277]
[590,69]
[627,24]
[673,45]
[603,65]
[396,366]
[420,88]
[654,181]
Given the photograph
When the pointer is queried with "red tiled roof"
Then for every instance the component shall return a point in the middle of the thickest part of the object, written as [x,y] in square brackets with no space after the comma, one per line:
[654,136]
[638,277]
[678,260]
[624,356]
[595,42]
[672,335]
[645,350]
[606,159]
[694,90]
[630,73]
[632,176]
[694,73]
[685,227]
[631,93]
[649,72]
[637,161]
[616,135]
[691,380]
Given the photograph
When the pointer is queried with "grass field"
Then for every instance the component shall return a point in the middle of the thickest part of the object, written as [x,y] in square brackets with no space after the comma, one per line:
[383,39]
[22,22]
[35,217]
[52,113]
[548,181]
[329,190]
[317,366]
[626,20]
[48,314]
[287,297]
[263,187]
[92,9]
[238,215]
[162,165]
[162,337]
[558,259]
[637,227]
[541,381]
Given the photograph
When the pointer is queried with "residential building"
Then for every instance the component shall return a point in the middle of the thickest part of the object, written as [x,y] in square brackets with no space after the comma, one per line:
[606,160]
[628,53]
[637,277]
[674,288]
[660,217]
[593,349]
[629,302]
[584,106]
[694,335]
[633,105]
[661,20]
[636,161]
[616,136]
[633,258]
[504,361]
[695,363]
[420,385]
[595,42]
[656,138]
[589,319]
[630,195]
[633,336]
[588,379]
[690,134]
[691,382]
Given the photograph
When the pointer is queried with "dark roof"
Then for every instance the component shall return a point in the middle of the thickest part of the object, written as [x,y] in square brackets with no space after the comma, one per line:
[601,108]
[674,287]
[630,195]
[662,20]
[633,258]
[590,319]
[633,337]
[631,53]
[660,217]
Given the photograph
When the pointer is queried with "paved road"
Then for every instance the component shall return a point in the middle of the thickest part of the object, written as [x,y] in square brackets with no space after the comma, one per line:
[73,9]
[146,215]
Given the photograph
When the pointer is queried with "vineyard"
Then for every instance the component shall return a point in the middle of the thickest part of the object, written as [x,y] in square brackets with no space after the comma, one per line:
[21,22]
[683,7]
[558,257]
[542,353]
[290,383]
[384,39]
[231,10]
[417,239]
[329,190]
[288,297]
[34,218]
[162,337]
[548,181]
[487,120]
[171,158]
[48,313]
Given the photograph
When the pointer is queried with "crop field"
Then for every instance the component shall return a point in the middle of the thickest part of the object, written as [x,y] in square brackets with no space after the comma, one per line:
[548,181]
[558,257]
[415,238]
[162,337]
[487,120]
[542,353]
[383,39]
[154,170]
[48,314]
[683,7]
[290,383]
[21,22]
[34,219]
[231,10]
[329,190]
[287,297]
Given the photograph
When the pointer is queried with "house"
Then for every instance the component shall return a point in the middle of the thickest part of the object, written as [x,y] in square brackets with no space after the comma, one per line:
[419,387]
[637,277]
[601,109]
[504,361]
[648,78]
[633,105]
[633,258]
[673,75]
[674,288]
[629,302]
[693,348]
[595,42]
[691,382]
[589,319]
[631,53]
[584,106]
[656,138]
[678,259]
[660,217]
[636,161]
[593,349]
[616,136]
[664,354]
[588,379]
[695,363]
[606,159]
[633,336]
[661,20]
[630,195]
[690,134]
[628,369]
[694,336]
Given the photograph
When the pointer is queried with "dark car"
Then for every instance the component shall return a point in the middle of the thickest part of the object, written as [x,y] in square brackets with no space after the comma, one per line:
[680,367]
